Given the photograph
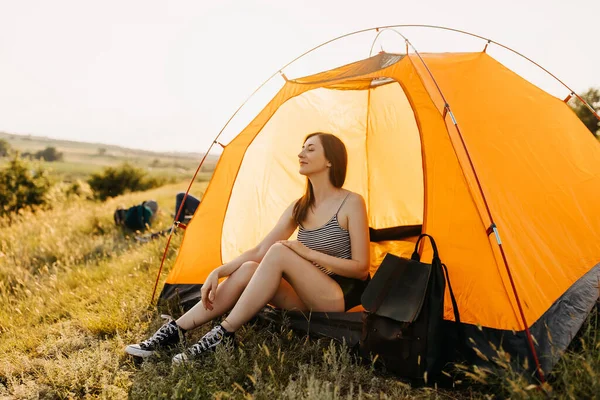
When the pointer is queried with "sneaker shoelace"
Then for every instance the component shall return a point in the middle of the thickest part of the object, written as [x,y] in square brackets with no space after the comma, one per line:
[214,336]
[163,333]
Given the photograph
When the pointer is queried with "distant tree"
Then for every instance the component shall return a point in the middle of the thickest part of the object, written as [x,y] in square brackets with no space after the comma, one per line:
[155,163]
[49,154]
[5,148]
[113,181]
[592,96]
[101,151]
[21,186]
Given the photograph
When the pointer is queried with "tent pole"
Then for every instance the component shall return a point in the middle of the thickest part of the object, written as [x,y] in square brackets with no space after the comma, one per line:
[181,206]
[379,32]
[587,105]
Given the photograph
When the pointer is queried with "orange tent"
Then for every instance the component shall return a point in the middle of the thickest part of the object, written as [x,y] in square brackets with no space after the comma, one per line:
[455,142]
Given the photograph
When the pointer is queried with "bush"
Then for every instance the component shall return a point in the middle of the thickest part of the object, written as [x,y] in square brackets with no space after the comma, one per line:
[79,189]
[49,154]
[5,148]
[21,186]
[114,181]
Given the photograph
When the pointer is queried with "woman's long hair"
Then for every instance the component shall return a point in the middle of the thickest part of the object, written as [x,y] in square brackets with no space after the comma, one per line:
[335,153]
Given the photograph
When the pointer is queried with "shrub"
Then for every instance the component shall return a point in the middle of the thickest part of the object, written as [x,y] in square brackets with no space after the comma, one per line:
[5,148]
[49,154]
[21,186]
[114,181]
[592,97]
[79,189]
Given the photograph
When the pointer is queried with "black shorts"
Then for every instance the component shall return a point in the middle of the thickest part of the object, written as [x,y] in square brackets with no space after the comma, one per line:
[352,289]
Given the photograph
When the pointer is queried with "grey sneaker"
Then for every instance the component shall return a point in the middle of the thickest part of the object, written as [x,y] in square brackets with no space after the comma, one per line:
[168,336]
[215,337]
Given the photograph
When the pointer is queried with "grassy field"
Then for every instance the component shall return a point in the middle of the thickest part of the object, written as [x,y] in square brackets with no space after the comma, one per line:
[82,159]
[74,290]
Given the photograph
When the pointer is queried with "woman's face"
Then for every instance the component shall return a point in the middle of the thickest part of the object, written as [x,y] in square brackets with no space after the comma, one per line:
[312,157]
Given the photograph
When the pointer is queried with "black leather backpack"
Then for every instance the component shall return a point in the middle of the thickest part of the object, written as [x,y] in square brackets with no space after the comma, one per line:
[403,320]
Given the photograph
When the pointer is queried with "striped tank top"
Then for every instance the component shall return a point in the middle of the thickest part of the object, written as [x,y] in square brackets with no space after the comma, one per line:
[330,239]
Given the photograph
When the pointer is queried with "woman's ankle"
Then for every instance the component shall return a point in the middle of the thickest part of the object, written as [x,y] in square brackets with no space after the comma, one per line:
[178,326]
[183,326]
[227,326]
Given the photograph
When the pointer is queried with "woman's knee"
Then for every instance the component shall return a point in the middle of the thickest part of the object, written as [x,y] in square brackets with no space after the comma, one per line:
[277,250]
[246,270]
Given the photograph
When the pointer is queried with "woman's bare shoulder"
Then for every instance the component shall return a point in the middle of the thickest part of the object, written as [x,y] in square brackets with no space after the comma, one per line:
[353,209]
[355,199]
[290,208]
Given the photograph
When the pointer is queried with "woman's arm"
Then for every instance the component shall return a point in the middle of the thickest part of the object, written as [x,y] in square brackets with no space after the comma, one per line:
[282,230]
[358,227]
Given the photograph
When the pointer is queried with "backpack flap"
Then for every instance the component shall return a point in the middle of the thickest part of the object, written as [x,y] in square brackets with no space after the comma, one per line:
[398,289]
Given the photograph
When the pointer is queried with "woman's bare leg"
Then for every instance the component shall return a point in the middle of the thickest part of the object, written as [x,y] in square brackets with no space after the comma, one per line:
[228,292]
[317,291]
[286,298]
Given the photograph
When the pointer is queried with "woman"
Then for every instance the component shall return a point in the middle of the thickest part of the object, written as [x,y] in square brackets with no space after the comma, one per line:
[326,269]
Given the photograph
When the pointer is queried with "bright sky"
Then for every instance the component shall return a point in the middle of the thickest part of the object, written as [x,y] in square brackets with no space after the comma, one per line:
[166,75]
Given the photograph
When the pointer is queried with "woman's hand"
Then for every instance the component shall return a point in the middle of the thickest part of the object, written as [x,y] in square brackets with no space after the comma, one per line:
[297,247]
[209,290]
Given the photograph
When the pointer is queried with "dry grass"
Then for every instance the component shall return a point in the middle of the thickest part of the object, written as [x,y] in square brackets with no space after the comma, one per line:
[74,291]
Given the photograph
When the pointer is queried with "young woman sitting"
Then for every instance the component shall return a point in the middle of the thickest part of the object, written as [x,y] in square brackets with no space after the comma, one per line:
[326,269]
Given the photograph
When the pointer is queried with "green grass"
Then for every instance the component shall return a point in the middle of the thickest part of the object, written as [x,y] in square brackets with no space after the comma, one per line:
[74,290]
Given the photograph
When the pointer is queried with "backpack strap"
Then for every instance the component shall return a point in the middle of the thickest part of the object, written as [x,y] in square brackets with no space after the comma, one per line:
[452,298]
[462,347]
[436,260]
[415,255]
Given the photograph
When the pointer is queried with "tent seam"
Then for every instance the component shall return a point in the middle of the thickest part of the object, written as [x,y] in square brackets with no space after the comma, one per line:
[367,150]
